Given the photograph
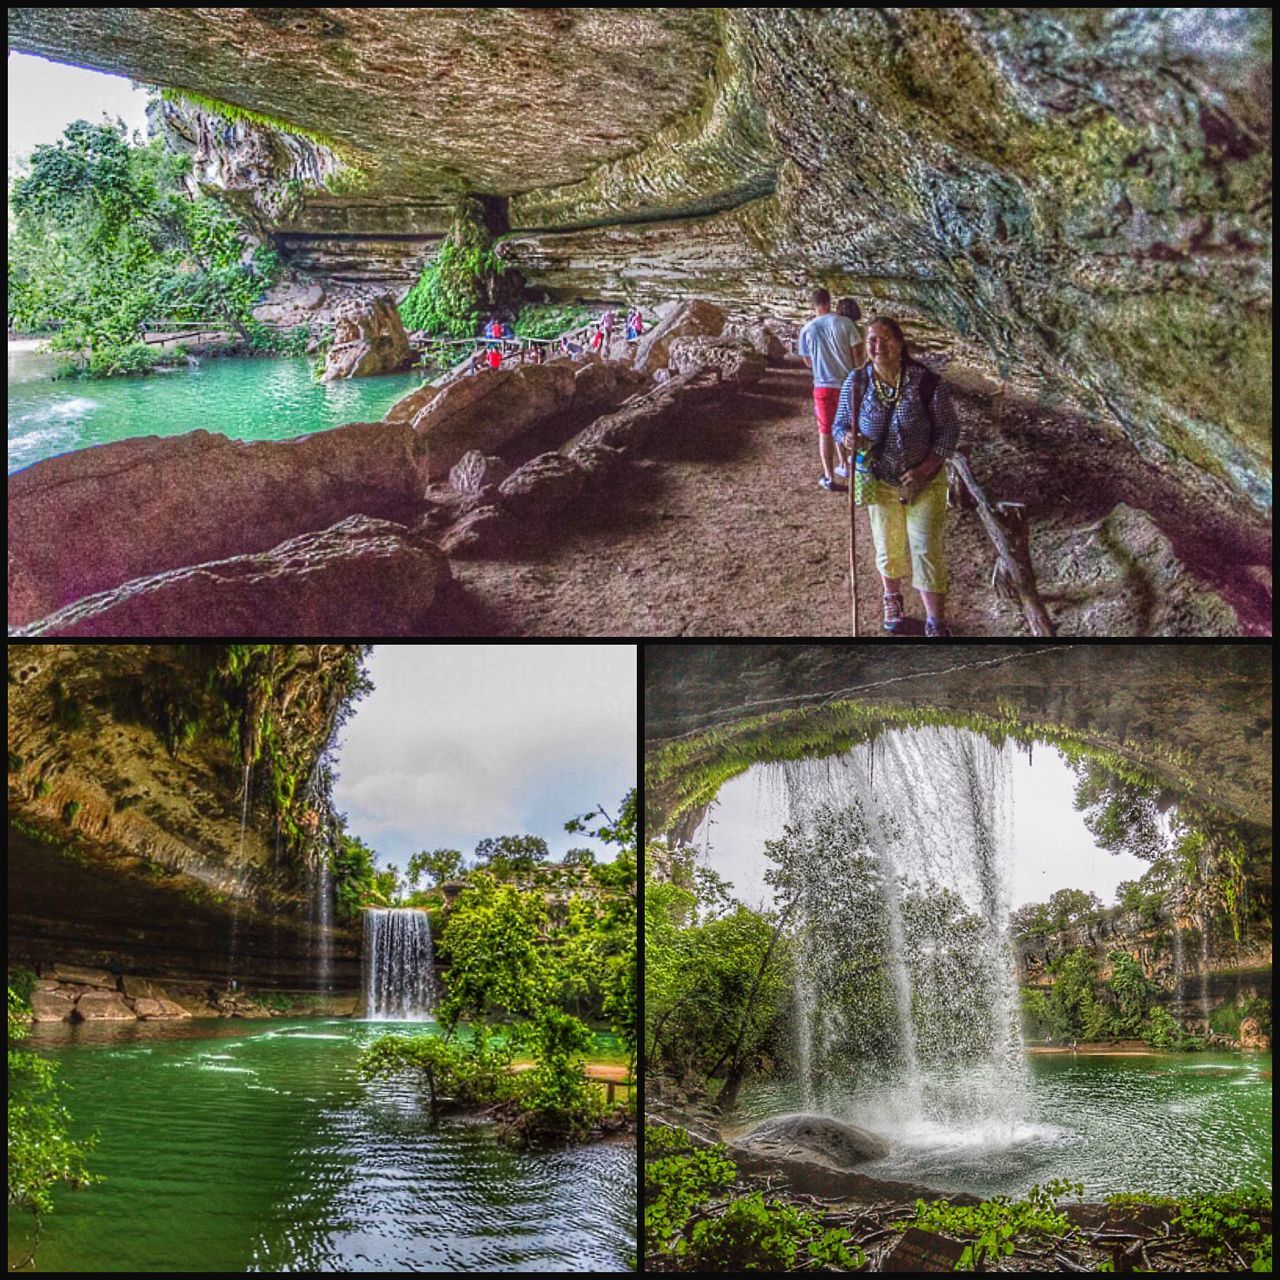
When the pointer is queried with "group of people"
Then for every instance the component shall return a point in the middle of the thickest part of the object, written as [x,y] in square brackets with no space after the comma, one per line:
[887,424]
[603,336]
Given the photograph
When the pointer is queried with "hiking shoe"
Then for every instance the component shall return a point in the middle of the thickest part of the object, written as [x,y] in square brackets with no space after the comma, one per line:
[829,485]
[893,618]
[842,472]
[935,630]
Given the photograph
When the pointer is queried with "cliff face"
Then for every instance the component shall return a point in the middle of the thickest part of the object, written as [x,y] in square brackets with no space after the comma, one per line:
[165,806]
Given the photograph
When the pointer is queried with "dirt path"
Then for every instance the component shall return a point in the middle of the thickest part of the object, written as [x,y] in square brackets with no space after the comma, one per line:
[722,530]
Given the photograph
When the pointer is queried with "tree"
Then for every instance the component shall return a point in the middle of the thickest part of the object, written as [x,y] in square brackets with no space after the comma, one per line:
[1131,990]
[1124,815]
[1031,921]
[439,864]
[505,855]
[579,858]
[1069,905]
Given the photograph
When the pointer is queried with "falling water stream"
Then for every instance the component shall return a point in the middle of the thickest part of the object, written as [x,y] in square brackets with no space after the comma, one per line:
[907,871]
[398,957]
[235,893]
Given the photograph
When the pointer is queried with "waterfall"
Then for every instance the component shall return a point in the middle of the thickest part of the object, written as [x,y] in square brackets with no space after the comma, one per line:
[398,975]
[322,904]
[1204,969]
[235,893]
[904,954]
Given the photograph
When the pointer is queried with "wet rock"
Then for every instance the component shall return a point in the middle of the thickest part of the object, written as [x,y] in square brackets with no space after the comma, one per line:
[475,471]
[485,413]
[735,360]
[694,319]
[360,577]
[542,486]
[91,520]
[88,977]
[369,340]
[50,1006]
[104,1005]
[808,1150]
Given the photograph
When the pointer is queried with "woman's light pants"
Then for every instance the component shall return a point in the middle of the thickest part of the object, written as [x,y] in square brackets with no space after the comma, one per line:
[909,540]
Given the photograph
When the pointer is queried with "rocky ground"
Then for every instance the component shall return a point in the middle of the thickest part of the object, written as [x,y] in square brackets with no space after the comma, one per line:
[722,530]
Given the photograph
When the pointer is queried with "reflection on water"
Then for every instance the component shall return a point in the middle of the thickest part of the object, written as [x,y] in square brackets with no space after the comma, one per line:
[228,1147]
[245,399]
[1166,1123]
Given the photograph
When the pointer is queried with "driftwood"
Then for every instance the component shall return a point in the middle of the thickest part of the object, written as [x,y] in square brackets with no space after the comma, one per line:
[1007,529]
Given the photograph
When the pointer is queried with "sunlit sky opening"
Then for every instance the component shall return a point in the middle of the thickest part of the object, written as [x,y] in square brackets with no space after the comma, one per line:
[45,97]
[1052,847]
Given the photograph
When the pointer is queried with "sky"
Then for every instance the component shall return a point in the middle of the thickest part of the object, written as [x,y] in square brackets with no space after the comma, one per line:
[458,742]
[1052,847]
[45,97]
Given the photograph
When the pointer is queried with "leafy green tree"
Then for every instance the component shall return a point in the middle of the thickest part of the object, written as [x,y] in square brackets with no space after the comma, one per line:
[496,966]
[1031,921]
[1069,905]
[354,875]
[1132,992]
[579,858]
[105,236]
[1124,815]
[503,856]
[439,864]
[42,1153]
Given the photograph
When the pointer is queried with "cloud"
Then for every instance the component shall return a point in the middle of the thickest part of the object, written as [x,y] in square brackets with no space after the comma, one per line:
[458,742]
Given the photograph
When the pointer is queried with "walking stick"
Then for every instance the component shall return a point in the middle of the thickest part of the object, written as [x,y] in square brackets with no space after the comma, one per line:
[853,559]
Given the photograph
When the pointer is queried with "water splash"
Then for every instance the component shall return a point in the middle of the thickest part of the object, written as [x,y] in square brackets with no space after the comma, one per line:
[904,907]
[398,956]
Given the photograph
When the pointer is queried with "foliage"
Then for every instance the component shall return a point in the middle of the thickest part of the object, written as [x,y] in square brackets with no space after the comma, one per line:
[232,113]
[21,982]
[354,876]
[579,857]
[439,864]
[1132,992]
[469,1070]
[750,1234]
[453,289]
[1228,1221]
[993,1227]
[1031,921]
[557,1099]
[540,320]
[121,360]
[71,811]
[42,1153]
[1162,1031]
[105,236]
[277,342]
[495,961]
[503,856]
[1123,815]
[1066,906]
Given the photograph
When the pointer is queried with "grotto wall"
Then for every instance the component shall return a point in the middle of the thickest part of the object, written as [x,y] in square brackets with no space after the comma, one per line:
[127,773]
[1194,716]
[1080,198]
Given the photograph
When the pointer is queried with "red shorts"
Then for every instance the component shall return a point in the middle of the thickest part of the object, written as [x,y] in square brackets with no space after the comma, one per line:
[826,400]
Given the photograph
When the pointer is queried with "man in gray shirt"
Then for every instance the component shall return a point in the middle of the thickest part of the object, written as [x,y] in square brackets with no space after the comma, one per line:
[829,344]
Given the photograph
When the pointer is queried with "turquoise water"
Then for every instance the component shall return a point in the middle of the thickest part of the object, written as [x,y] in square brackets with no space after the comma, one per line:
[234,1146]
[245,399]
[1168,1123]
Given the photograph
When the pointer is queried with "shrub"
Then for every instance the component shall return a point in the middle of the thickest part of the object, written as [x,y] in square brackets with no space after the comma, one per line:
[752,1235]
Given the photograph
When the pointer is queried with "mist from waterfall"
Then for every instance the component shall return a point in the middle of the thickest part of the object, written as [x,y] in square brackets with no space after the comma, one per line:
[398,958]
[900,867]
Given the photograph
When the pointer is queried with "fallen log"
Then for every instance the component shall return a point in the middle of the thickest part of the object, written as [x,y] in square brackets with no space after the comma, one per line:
[1007,530]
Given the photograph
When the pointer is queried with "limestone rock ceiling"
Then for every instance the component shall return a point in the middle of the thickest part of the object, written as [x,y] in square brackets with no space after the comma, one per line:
[494,100]
[1084,194]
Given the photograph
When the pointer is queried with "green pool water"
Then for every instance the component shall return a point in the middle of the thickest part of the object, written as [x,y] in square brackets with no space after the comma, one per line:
[1167,1123]
[240,1146]
[245,399]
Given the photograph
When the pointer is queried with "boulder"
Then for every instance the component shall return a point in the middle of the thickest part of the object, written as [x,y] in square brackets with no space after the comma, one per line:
[1252,1035]
[735,360]
[488,412]
[50,1006]
[99,1005]
[146,1008]
[137,988]
[475,471]
[88,521]
[1127,570]
[596,460]
[694,319]
[542,486]
[760,337]
[89,977]
[482,529]
[595,383]
[367,340]
[810,1151]
[360,577]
